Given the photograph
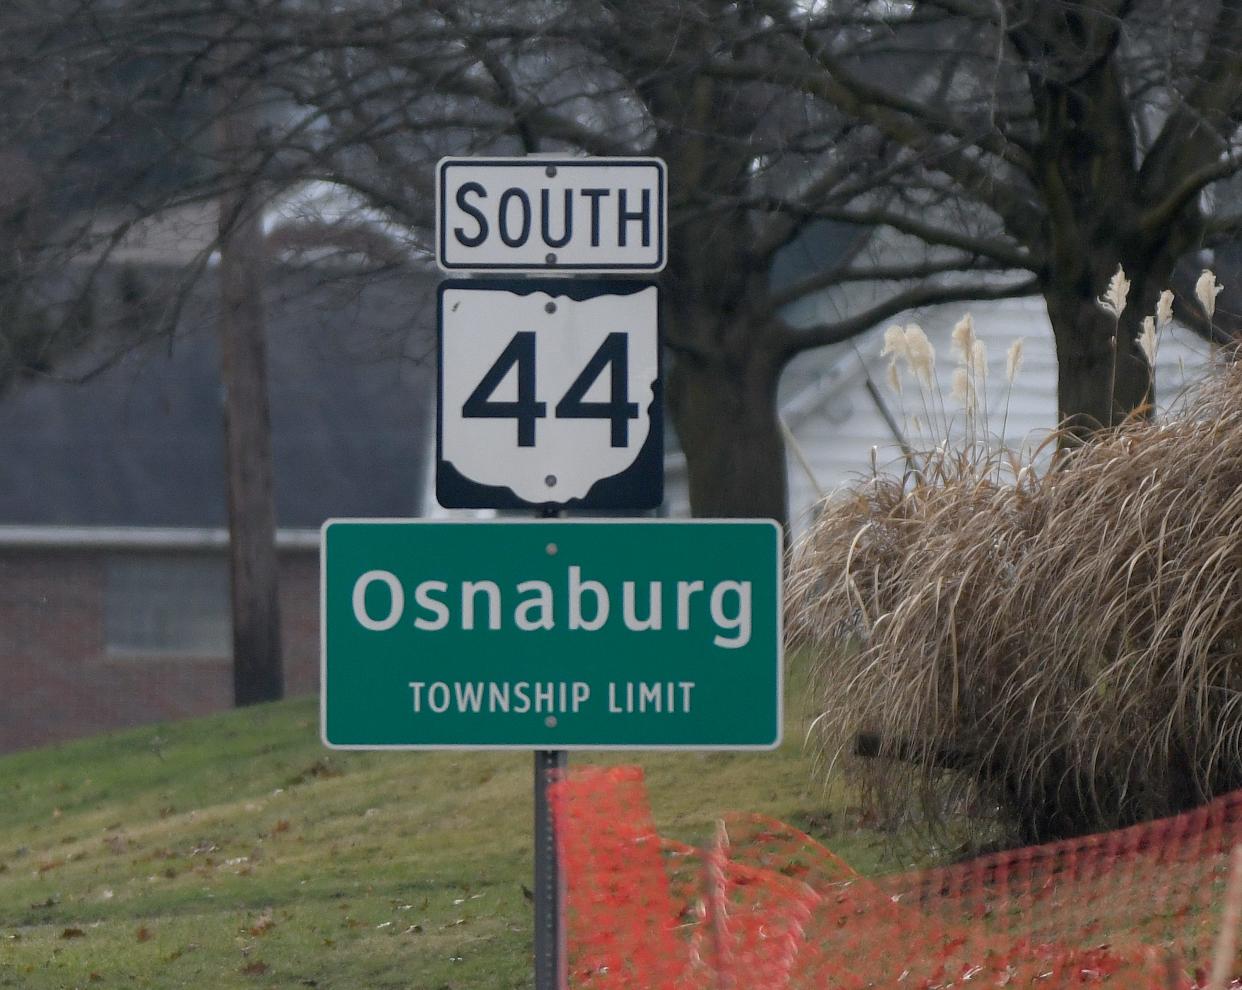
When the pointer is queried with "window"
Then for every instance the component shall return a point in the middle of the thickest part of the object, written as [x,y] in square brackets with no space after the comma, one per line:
[162,605]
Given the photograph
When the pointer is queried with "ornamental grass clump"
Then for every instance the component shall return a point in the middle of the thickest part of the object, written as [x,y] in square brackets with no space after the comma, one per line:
[1067,640]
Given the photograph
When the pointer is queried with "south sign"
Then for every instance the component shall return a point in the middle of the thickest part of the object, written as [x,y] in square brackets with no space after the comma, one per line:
[551,214]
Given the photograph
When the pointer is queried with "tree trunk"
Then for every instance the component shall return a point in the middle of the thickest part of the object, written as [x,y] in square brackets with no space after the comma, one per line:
[725,414]
[257,663]
[1102,377]
[721,390]
[1086,172]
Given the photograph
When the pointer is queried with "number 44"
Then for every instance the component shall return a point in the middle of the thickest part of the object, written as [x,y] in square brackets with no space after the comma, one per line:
[519,353]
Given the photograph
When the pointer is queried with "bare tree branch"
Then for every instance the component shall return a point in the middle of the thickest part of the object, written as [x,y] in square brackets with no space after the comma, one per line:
[1188,187]
[798,340]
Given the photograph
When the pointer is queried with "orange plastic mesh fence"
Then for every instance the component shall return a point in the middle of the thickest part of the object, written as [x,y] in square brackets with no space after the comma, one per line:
[765,907]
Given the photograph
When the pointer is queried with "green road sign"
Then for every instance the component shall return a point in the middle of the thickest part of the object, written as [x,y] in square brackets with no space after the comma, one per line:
[556,634]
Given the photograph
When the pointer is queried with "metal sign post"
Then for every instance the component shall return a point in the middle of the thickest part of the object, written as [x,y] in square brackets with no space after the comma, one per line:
[550,968]
[551,972]
[485,221]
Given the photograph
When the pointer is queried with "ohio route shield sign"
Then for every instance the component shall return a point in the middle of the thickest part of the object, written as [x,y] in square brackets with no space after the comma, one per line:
[550,395]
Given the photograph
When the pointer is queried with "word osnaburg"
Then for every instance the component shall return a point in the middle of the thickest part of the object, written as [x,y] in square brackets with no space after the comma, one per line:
[723,610]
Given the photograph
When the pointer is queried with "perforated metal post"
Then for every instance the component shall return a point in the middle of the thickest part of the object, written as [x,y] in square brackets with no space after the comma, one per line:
[550,970]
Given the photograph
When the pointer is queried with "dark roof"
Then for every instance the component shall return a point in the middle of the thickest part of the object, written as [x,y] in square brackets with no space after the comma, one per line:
[351,380]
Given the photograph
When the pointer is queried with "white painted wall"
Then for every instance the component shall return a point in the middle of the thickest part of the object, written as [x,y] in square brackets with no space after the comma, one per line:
[835,422]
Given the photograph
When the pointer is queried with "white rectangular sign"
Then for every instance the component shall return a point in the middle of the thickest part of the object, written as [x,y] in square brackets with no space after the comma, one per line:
[551,214]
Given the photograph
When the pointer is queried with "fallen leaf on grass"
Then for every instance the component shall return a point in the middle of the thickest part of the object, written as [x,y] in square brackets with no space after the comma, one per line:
[280,826]
[320,768]
[263,924]
[49,865]
[256,968]
[143,934]
[73,933]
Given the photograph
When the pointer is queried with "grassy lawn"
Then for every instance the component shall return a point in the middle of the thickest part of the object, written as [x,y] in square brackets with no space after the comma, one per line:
[235,851]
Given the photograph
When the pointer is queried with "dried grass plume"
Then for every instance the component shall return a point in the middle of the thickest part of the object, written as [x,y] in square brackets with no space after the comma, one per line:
[1164,310]
[1114,298]
[1070,641]
[1013,361]
[1147,342]
[1206,291]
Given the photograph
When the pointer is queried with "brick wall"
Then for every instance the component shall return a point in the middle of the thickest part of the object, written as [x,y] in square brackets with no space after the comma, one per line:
[57,679]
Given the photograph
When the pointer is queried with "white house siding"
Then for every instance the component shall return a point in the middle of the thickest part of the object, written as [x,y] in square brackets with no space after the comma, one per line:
[837,437]
[835,423]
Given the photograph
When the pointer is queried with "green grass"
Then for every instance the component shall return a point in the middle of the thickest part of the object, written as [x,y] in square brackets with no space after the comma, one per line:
[235,851]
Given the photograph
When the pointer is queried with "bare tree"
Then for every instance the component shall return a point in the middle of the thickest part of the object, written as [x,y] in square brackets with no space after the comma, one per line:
[980,149]
[1064,139]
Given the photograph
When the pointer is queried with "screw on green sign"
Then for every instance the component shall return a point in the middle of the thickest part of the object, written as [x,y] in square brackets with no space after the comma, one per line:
[551,634]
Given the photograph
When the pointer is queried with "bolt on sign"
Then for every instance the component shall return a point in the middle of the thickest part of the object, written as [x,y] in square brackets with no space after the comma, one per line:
[600,634]
[549,394]
[551,214]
